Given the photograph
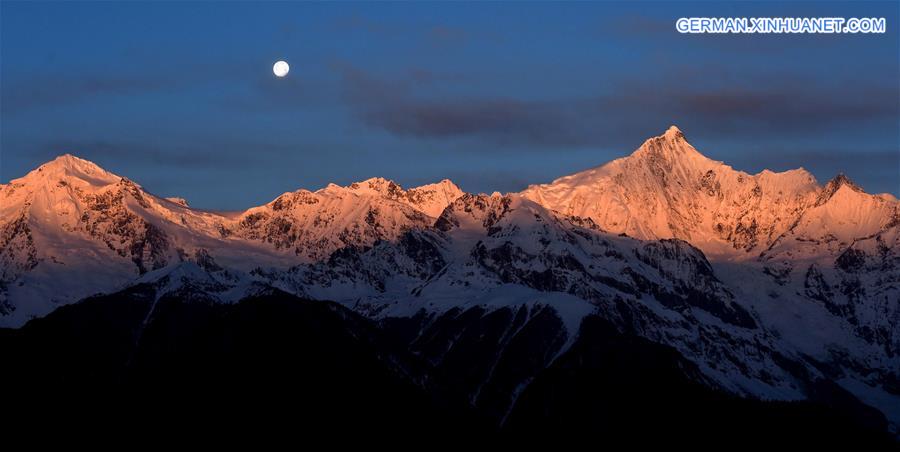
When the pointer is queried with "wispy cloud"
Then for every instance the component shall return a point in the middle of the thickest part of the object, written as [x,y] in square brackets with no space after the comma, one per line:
[47,91]
[776,105]
[207,152]
[44,91]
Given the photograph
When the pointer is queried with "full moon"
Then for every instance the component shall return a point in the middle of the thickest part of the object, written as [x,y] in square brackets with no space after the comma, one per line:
[281,69]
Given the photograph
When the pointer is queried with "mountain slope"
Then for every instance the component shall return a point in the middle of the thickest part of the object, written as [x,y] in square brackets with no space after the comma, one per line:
[666,189]
[313,225]
[70,229]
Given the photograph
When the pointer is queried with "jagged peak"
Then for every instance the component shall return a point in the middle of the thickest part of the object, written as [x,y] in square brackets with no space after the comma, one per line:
[381,184]
[672,134]
[388,188]
[372,184]
[377,186]
[835,184]
[842,179]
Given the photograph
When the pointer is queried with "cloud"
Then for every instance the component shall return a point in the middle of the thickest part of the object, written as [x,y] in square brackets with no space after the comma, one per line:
[44,91]
[47,91]
[809,107]
[778,106]
[208,153]
[504,120]
[393,105]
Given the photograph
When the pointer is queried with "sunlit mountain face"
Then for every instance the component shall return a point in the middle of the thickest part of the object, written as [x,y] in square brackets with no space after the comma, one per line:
[662,291]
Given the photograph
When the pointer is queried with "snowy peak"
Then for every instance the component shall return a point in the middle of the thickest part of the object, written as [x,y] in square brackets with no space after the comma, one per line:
[57,186]
[313,225]
[668,189]
[430,199]
[70,162]
[69,168]
[674,132]
[835,184]
[671,147]
[376,185]
[842,215]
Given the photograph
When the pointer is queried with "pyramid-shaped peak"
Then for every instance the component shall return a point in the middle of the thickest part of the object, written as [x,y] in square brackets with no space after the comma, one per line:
[671,146]
[835,184]
[842,179]
[673,136]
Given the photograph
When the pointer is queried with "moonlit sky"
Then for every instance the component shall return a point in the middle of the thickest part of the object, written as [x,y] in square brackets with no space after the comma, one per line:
[181,98]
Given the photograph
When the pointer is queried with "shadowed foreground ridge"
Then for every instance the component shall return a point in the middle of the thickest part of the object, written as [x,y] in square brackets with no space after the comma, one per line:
[286,366]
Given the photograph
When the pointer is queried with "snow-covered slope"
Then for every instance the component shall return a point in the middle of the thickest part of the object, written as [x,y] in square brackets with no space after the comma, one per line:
[70,229]
[313,225]
[667,189]
[430,199]
[768,282]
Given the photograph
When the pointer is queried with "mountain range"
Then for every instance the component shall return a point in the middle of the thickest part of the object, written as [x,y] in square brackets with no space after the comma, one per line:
[766,287]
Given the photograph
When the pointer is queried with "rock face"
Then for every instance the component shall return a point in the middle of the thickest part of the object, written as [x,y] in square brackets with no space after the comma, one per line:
[769,285]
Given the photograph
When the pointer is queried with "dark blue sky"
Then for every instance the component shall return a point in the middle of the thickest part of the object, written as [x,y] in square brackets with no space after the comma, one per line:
[181,98]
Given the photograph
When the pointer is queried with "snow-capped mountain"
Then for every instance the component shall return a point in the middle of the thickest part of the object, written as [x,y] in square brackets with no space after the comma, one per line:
[70,229]
[769,283]
[313,225]
[667,189]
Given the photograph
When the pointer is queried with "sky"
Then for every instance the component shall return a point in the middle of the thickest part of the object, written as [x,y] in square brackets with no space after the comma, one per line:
[180,96]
